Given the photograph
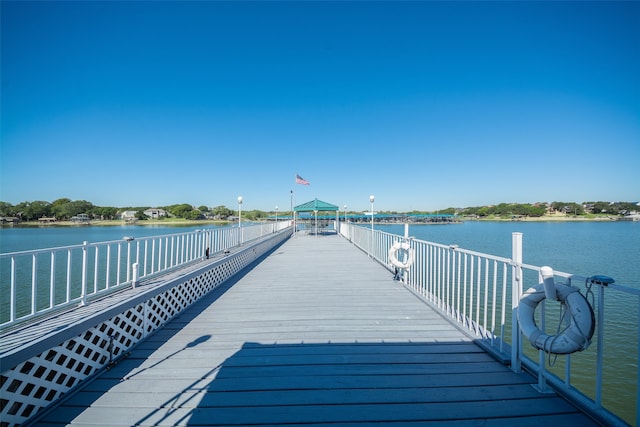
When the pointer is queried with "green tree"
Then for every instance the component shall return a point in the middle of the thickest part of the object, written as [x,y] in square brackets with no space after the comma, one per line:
[6,209]
[180,211]
[254,215]
[624,208]
[105,212]
[568,207]
[537,210]
[601,207]
[57,207]
[195,214]
[39,209]
[31,211]
[222,212]
[483,211]
[472,210]
[65,208]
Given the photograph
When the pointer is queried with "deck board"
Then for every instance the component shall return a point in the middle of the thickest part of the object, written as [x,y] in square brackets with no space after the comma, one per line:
[318,334]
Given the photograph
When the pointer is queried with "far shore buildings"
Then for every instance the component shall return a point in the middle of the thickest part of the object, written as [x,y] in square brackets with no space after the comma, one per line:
[128,216]
[80,219]
[153,213]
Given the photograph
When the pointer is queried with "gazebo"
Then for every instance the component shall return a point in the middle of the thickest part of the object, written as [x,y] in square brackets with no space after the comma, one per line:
[306,210]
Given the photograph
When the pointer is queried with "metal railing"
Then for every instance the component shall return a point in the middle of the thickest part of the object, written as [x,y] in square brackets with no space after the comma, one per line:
[34,283]
[481,294]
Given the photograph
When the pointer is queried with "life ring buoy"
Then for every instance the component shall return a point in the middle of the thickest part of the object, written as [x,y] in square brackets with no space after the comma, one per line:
[393,255]
[575,337]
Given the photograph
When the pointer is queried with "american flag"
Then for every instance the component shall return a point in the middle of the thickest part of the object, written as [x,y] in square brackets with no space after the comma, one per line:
[301,180]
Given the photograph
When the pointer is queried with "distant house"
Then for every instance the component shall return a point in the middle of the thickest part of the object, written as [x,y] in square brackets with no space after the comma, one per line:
[80,218]
[128,215]
[155,213]
[9,220]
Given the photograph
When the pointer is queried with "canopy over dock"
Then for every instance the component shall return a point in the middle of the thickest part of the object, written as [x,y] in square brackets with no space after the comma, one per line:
[306,212]
[316,206]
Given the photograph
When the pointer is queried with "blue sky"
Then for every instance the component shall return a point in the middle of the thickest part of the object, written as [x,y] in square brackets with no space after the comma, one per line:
[426,105]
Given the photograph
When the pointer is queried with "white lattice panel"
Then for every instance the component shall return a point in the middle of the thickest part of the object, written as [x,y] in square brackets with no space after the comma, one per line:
[36,383]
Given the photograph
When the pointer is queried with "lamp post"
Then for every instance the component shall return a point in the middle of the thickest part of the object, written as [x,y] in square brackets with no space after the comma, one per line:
[371,199]
[345,214]
[240,217]
[276,218]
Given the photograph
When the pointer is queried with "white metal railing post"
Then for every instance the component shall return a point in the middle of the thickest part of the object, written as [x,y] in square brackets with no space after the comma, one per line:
[153,255]
[119,264]
[134,274]
[166,253]
[84,273]
[14,299]
[405,273]
[96,266]
[34,281]
[108,266]
[145,257]
[52,280]
[371,199]
[600,348]
[138,252]
[68,283]
[516,291]
[128,260]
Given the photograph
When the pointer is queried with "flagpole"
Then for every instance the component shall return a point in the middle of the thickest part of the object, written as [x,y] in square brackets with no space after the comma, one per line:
[292,214]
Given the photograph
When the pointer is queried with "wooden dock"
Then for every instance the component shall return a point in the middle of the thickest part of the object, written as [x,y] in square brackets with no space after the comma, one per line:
[316,334]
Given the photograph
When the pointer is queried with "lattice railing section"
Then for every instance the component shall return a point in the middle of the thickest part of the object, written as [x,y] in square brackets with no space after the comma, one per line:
[35,383]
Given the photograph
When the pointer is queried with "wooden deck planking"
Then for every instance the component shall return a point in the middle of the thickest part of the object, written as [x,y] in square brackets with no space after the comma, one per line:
[317,333]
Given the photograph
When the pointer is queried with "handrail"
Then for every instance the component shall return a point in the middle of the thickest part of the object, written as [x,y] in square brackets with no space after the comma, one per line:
[475,291]
[37,282]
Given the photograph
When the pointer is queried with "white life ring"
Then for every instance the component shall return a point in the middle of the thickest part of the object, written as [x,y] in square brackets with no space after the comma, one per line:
[575,337]
[393,255]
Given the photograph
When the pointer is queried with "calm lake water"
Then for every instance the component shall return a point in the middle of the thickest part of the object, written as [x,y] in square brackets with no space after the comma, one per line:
[582,248]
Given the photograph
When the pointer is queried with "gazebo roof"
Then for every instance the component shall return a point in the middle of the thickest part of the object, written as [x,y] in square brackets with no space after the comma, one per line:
[316,205]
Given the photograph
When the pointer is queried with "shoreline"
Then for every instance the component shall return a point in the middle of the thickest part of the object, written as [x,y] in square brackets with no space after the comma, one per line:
[119,223]
[552,219]
[188,222]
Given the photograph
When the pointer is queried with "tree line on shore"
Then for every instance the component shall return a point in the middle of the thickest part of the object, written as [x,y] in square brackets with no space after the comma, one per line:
[542,208]
[65,209]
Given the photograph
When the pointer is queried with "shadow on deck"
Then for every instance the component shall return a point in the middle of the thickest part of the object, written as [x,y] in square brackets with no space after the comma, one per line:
[394,383]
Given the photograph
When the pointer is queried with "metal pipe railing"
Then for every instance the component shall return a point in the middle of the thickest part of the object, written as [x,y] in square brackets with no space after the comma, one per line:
[473,288]
[36,282]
